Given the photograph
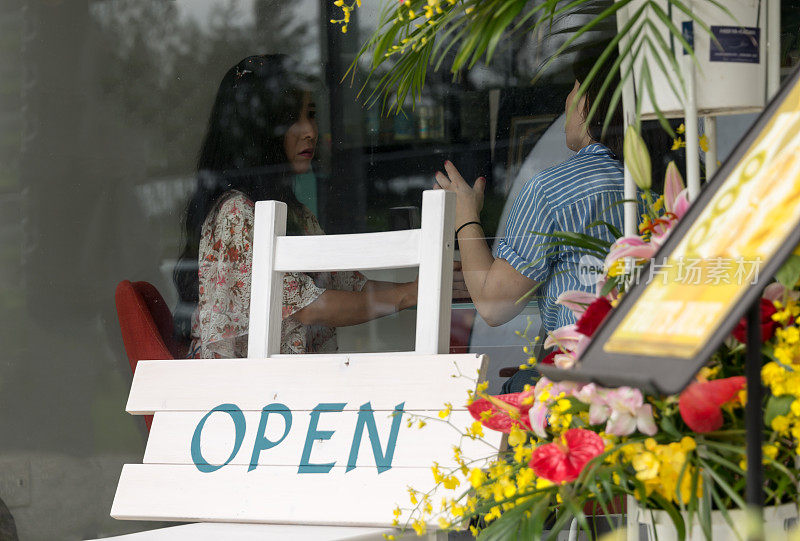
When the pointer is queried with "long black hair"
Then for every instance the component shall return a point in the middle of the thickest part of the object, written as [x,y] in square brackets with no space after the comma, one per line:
[258,100]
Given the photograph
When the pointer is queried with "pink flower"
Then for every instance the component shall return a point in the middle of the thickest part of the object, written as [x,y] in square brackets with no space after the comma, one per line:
[775,292]
[538,416]
[629,413]
[633,247]
[623,409]
[570,343]
[565,338]
[577,301]
[676,196]
[540,411]
[563,461]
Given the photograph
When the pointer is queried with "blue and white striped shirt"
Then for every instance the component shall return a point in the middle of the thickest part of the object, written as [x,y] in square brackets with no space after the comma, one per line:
[565,198]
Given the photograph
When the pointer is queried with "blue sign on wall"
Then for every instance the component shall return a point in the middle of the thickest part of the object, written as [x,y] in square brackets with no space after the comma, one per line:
[735,44]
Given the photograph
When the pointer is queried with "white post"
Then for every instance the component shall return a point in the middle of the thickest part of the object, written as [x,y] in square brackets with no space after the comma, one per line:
[435,290]
[711,154]
[629,117]
[266,291]
[692,135]
[773,47]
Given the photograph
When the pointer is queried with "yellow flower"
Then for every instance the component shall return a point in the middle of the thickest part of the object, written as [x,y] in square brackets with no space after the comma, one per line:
[659,204]
[617,268]
[563,405]
[681,129]
[475,430]
[516,436]
[437,474]
[646,465]
[476,477]
[419,527]
[703,143]
[412,495]
[451,482]
[445,413]
[493,513]
[780,424]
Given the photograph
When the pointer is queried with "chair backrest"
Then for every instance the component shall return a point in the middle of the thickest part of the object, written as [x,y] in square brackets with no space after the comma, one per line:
[248,440]
[430,248]
[146,325]
[145,322]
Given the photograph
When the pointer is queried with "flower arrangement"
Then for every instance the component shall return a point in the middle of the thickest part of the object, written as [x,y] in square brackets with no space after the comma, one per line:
[576,450]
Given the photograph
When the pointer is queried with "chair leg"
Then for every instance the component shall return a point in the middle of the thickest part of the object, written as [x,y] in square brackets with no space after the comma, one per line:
[573,530]
[632,518]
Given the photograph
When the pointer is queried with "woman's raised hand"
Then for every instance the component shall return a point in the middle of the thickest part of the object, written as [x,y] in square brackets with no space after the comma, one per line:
[469,199]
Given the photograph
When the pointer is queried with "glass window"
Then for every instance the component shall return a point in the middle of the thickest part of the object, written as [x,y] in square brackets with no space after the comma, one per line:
[104,106]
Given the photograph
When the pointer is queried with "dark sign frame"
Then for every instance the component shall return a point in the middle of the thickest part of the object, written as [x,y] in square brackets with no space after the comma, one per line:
[666,374]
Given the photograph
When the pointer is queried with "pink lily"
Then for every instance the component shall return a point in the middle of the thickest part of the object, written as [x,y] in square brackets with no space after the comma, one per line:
[540,410]
[577,301]
[599,410]
[538,419]
[623,409]
[629,413]
[629,247]
[673,187]
[612,295]
[776,291]
[676,196]
[566,338]
[571,344]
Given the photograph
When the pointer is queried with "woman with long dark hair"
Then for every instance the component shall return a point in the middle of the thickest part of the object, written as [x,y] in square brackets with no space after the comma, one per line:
[262,132]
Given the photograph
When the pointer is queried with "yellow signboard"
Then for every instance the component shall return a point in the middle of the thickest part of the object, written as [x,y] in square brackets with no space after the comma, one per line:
[748,219]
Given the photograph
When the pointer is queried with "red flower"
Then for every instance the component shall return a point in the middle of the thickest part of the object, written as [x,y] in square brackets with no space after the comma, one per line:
[564,461]
[593,316]
[507,410]
[700,402]
[550,359]
[767,325]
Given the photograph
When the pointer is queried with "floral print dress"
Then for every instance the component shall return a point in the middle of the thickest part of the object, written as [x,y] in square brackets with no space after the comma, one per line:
[220,322]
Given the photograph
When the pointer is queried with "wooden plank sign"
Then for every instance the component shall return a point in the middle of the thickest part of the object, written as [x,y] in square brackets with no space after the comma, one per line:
[306,439]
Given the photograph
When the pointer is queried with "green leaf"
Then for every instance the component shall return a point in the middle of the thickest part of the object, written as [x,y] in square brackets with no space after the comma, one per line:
[668,426]
[789,273]
[777,405]
[724,485]
[674,514]
[611,228]
[609,286]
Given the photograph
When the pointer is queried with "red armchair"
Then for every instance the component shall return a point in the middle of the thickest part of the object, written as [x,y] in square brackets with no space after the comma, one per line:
[146,325]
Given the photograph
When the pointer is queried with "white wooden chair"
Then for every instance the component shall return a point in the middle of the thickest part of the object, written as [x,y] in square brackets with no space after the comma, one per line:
[249,450]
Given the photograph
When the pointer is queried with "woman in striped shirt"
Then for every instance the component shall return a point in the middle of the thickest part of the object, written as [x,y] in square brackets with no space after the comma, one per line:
[568,197]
